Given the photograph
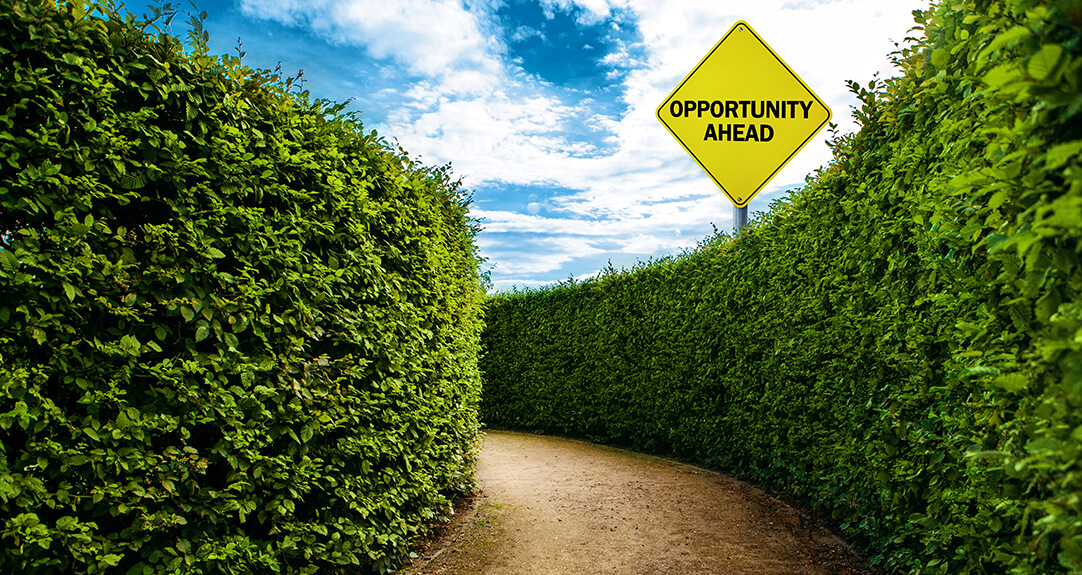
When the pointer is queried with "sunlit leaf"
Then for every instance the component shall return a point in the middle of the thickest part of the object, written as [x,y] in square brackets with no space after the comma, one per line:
[1044,62]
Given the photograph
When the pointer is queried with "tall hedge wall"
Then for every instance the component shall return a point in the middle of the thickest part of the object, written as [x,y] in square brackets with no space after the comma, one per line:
[899,343]
[238,333]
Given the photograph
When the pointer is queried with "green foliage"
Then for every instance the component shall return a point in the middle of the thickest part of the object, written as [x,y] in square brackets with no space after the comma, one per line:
[238,334]
[899,343]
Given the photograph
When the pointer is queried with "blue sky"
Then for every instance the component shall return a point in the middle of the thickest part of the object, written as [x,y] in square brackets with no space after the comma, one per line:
[545,108]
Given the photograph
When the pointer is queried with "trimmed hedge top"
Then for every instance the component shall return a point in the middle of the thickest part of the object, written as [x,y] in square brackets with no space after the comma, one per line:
[238,333]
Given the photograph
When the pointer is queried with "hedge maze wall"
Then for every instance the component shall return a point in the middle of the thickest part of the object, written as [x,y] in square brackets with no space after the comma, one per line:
[238,333]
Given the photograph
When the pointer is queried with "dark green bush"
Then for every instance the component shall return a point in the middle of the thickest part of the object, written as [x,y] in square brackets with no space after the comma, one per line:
[237,333]
[899,343]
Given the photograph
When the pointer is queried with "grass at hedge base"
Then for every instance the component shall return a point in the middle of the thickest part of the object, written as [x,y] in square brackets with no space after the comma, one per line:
[237,332]
[899,343]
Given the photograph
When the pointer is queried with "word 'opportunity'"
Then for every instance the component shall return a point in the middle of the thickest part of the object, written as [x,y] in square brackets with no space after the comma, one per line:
[764,109]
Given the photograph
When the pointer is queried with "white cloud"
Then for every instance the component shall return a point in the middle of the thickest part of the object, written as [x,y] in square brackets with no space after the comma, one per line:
[525,33]
[646,182]
[524,245]
[637,188]
[513,136]
[432,38]
[546,254]
[592,11]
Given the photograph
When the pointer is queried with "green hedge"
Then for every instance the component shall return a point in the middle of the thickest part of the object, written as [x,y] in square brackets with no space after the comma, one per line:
[238,334]
[899,344]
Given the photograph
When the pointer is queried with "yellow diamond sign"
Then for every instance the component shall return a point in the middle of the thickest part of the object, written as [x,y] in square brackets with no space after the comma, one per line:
[742,113]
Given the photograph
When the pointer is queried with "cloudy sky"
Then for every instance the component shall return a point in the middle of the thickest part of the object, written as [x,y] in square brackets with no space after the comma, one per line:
[545,108]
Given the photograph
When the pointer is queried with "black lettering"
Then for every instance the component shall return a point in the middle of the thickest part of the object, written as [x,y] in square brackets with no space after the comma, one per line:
[792,108]
[689,107]
[773,108]
[720,108]
[676,108]
[703,107]
[739,133]
[730,108]
[807,108]
[744,108]
[762,110]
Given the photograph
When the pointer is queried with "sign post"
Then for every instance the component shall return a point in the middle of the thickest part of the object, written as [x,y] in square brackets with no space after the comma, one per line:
[740,217]
[742,114]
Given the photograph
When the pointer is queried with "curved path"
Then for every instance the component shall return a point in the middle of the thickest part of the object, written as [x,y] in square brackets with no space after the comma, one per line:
[560,507]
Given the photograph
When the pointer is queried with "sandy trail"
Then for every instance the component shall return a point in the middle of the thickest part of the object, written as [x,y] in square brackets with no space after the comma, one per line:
[556,506]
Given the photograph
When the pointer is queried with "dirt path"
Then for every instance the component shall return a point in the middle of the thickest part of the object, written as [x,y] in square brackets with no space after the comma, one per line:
[562,507]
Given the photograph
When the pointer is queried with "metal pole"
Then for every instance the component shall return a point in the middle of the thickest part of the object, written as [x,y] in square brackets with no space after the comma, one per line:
[740,217]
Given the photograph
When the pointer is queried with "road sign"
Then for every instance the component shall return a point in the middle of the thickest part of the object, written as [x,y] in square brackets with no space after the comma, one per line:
[742,113]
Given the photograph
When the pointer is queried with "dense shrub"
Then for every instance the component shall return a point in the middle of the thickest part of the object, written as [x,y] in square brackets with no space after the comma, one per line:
[899,343]
[237,332]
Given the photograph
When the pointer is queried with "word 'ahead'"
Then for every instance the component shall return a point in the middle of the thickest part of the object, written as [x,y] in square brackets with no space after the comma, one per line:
[742,114]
